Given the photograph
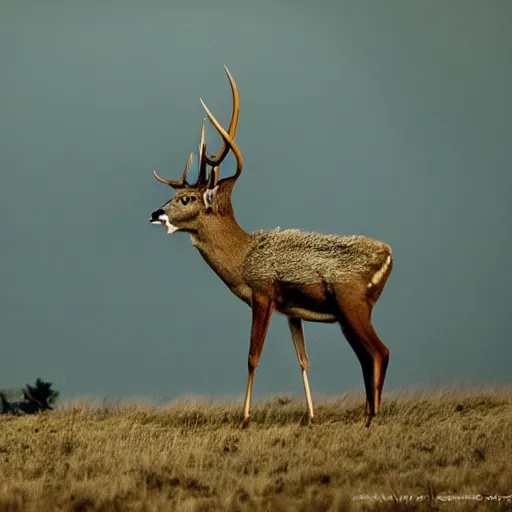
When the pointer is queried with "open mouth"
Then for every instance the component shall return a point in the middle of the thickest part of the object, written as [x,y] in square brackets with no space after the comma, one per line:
[163,220]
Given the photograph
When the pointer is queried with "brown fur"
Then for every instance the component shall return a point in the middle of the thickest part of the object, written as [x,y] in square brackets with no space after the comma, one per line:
[299,257]
[293,257]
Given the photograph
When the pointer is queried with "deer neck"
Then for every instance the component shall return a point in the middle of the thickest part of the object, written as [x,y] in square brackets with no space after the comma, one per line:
[223,244]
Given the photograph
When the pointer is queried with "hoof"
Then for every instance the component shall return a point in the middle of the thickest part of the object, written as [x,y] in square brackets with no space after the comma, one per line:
[245,423]
[306,421]
[368,421]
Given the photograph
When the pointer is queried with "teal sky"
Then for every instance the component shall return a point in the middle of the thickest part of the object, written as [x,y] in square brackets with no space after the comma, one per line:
[390,119]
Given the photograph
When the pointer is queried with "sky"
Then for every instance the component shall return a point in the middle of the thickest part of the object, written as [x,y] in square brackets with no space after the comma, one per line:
[389,119]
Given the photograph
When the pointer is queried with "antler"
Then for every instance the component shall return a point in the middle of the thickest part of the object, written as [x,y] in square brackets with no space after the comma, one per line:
[217,158]
[229,144]
[213,178]
[201,172]
[177,184]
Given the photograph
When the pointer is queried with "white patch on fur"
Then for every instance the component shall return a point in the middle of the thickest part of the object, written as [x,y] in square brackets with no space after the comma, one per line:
[170,227]
[380,273]
[163,220]
[209,197]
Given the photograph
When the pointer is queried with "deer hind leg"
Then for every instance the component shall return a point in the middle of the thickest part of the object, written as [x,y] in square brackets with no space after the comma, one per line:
[262,309]
[299,342]
[355,318]
[380,364]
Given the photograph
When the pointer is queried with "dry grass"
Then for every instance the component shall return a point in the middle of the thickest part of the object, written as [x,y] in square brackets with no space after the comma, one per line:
[191,455]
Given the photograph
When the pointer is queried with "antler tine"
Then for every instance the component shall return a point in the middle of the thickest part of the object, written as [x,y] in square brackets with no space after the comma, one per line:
[229,142]
[177,183]
[201,173]
[217,158]
[213,178]
[183,181]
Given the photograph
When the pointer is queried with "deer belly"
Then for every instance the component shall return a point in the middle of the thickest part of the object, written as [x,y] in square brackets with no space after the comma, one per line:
[309,302]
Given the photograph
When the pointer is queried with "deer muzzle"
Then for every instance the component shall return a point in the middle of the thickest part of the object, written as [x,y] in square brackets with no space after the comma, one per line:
[160,218]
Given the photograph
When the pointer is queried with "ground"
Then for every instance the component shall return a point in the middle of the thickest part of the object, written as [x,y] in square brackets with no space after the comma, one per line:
[192,455]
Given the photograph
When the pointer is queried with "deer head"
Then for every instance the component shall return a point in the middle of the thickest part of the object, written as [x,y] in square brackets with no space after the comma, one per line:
[196,205]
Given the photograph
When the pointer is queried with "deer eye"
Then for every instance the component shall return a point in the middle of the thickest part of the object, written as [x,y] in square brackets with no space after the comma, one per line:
[184,200]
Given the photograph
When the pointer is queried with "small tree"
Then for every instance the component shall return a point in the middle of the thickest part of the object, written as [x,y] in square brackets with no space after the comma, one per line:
[42,394]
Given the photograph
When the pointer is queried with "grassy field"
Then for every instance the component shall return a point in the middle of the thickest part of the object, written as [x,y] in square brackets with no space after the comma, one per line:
[192,455]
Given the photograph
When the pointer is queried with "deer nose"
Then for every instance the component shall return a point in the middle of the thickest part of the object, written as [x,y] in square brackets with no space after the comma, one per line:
[157,215]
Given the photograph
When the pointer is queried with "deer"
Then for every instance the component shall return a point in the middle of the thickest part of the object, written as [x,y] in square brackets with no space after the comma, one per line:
[305,276]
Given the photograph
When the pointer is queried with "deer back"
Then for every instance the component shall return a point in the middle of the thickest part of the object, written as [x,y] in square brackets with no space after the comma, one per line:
[295,256]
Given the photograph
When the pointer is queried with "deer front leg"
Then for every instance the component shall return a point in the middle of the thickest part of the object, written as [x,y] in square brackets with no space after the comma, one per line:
[262,309]
[299,342]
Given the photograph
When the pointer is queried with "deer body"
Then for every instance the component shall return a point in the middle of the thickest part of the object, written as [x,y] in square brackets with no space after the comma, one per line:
[301,269]
[305,276]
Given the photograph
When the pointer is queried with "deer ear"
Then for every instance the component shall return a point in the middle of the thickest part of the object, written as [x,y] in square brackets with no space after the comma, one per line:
[209,197]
